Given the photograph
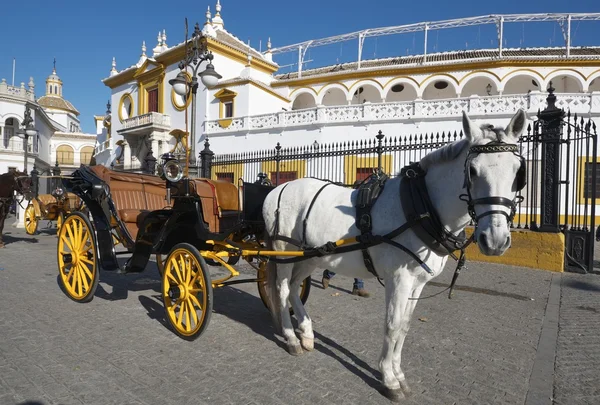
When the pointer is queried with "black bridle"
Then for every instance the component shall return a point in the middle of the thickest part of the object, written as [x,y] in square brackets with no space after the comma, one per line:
[493,147]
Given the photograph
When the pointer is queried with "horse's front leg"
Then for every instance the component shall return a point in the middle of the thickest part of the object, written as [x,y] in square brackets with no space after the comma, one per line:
[397,291]
[404,328]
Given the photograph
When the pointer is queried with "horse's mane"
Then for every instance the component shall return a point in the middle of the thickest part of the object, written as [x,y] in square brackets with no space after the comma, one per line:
[452,150]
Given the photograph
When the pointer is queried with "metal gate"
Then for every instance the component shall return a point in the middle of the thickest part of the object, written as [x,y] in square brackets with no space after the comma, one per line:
[567,149]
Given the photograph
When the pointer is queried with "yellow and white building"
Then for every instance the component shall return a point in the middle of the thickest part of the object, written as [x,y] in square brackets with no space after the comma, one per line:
[254,105]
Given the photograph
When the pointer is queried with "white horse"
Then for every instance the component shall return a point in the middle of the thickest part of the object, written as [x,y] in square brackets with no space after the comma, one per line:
[490,174]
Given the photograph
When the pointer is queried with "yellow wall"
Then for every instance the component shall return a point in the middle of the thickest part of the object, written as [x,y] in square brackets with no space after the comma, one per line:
[538,250]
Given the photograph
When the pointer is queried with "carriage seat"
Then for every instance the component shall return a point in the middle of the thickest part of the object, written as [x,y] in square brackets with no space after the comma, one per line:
[220,202]
[134,195]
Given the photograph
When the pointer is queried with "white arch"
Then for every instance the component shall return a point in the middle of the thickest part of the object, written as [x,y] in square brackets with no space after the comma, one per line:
[367,83]
[439,77]
[399,80]
[595,77]
[302,91]
[569,73]
[324,90]
[486,75]
[4,117]
[538,79]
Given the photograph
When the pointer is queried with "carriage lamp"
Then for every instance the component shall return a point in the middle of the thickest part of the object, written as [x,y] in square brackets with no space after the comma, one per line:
[173,171]
[182,84]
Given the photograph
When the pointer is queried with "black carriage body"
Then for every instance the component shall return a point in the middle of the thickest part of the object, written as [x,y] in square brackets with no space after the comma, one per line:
[160,230]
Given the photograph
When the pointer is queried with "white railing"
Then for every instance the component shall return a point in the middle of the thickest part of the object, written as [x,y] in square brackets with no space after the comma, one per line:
[581,103]
[16,145]
[152,118]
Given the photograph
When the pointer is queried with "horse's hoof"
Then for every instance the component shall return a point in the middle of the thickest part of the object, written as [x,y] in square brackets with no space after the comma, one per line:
[308,344]
[295,350]
[405,388]
[394,395]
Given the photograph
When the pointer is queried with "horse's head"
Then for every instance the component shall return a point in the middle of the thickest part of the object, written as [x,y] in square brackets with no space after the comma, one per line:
[494,174]
[23,184]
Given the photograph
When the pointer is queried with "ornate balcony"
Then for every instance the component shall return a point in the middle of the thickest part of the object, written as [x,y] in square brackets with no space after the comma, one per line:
[146,124]
[475,106]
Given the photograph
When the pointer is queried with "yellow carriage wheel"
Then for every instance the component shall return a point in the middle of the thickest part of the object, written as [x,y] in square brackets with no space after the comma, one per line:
[187,291]
[77,259]
[31,221]
[59,221]
[262,286]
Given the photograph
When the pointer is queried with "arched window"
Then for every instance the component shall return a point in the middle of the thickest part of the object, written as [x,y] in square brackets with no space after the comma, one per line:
[85,156]
[65,155]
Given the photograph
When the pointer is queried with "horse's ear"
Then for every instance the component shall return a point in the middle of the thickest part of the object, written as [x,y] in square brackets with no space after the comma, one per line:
[516,125]
[471,131]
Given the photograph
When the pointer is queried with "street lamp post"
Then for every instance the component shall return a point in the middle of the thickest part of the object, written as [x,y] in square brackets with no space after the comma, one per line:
[27,131]
[194,57]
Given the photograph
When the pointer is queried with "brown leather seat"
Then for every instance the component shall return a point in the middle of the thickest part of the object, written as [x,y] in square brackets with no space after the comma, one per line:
[134,195]
[220,203]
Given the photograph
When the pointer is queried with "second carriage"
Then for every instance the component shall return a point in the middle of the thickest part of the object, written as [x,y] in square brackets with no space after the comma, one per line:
[187,224]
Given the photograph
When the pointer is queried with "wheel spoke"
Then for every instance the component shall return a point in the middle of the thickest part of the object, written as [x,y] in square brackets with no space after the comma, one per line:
[194,300]
[193,310]
[66,241]
[175,266]
[83,277]
[70,274]
[86,270]
[170,276]
[71,238]
[180,316]
[188,326]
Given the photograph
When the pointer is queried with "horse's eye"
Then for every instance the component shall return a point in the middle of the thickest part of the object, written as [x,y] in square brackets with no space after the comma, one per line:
[472,172]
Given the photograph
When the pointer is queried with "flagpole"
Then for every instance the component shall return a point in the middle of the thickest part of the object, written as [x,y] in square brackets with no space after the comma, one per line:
[14,62]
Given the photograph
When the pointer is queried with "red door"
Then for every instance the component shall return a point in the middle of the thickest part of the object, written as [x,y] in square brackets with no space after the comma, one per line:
[284,177]
[363,172]
[153,100]
[225,176]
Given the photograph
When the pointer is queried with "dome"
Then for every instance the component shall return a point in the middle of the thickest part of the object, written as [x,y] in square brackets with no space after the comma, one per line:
[54,98]
[57,102]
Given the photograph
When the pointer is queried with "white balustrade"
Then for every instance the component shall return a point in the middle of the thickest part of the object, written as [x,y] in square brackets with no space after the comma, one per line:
[396,111]
[152,118]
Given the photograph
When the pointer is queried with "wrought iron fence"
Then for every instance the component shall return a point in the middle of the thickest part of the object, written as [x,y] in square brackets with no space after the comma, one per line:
[560,150]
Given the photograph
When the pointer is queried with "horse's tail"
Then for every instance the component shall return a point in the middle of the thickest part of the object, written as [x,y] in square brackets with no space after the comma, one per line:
[271,289]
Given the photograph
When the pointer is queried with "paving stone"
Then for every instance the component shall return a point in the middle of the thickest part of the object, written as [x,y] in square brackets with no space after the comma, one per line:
[477,348]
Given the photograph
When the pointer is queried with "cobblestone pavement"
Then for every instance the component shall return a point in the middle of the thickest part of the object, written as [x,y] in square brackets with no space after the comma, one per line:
[578,350]
[477,348]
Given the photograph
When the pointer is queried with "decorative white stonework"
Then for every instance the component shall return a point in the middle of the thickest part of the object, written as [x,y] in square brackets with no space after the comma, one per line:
[403,111]
[146,123]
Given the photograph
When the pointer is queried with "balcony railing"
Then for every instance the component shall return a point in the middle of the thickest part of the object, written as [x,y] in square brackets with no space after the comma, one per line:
[16,145]
[580,103]
[141,124]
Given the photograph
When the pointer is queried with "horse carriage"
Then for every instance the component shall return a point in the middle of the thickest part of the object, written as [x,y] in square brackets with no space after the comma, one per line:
[401,230]
[51,207]
[185,223]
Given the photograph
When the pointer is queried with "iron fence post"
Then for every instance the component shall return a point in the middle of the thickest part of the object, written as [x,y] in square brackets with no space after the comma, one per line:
[277,162]
[35,181]
[594,136]
[56,172]
[206,157]
[379,137]
[551,118]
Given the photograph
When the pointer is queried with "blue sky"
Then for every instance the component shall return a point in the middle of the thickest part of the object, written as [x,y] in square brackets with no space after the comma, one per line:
[85,35]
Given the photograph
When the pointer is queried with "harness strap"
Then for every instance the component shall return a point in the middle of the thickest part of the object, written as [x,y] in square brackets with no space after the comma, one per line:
[312,203]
